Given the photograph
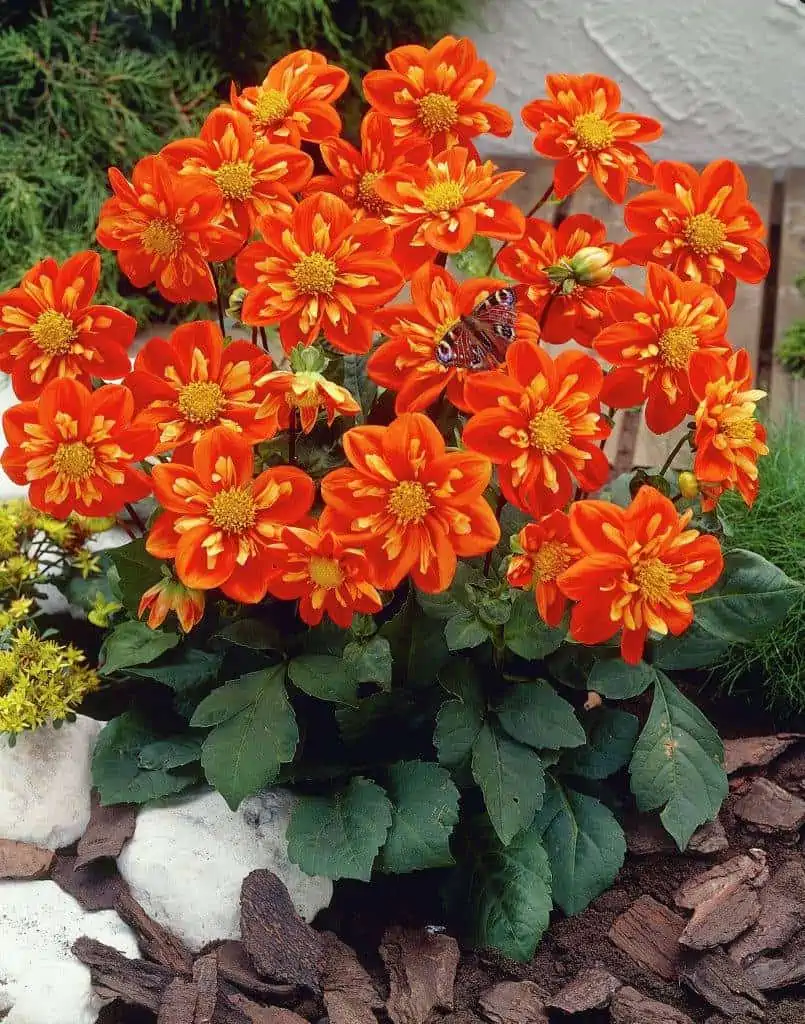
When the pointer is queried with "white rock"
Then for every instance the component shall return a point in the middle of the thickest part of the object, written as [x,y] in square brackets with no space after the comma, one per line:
[188,857]
[41,982]
[45,783]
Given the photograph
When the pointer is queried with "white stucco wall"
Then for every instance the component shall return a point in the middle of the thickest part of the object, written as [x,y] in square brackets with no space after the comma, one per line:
[726,77]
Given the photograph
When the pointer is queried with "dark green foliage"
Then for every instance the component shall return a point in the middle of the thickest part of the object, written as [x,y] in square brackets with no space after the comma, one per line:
[791,352]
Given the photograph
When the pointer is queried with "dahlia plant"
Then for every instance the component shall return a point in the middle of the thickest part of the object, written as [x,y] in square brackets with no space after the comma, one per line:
[377,553]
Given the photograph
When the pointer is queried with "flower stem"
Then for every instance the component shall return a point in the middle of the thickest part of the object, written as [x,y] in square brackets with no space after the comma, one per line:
[264,339]
[254,335]
[135,519]
[677,448]
[292,439]
[498,509]
[218,298]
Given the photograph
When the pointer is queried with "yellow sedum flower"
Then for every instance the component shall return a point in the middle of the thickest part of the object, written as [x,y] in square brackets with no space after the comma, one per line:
[101,611]
[87,563]
[17,611]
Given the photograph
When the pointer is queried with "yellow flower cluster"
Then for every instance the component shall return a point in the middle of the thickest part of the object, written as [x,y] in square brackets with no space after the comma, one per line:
[40,681]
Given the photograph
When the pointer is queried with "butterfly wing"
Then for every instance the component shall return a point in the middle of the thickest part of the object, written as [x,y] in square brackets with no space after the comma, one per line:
[479,341]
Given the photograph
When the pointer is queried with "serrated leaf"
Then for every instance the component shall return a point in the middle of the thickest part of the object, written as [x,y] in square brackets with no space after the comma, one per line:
[695,648]
[535,714]
[458,721]
[424,812]
[228,700]
[170,753]
[677,764]
[324,676]
[476,259]
[526,634]
[369,661]
[448,603]
[133,643]
[511,778]
[618,681]
[339,836]
[750,597]
[464,630]
[611,736]
[358,382]
[136,571]
[584,842]
[253,634]
[183,669]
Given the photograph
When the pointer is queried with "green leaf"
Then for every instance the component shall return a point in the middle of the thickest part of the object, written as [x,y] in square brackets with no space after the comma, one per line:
[324,676]
[526,634]
[424,812]
[339,836]
[464,630]
[370,661]
[695,648]
[511,778]
[170,753]
[750,597]
[244,752]
[618,681]
[358,382]
[136,571]
[677,764]
[584,842]
[254,634]
[184,669]
[117,772]
[449,602]
[133,643]
[459,721]
[228,700]
[476,259]
[535,714]
[611,736]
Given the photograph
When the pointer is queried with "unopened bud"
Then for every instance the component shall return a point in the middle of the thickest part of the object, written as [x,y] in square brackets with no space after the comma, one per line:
[592,265]
[235,305]
[308,359]
[688,485]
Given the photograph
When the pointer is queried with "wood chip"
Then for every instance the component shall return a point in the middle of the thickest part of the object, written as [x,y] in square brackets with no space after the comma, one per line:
[178,1004]
[722,983]
[96,887]
[107,831]
[770,808]
[592,989]
[155,941]
[646,836]
[280,944]
[422,973]
[136,982]
[649,933]
[22,860]
[710,838]
[770,973]
[514,1002]
[349,993]
[234,966]
[724,900]
[629,1006]
[205,976]
[782,914]
[253,1013]
[749,868]
[757,751]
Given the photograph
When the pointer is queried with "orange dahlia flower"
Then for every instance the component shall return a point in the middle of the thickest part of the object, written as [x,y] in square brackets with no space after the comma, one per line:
[407,362]
[326,575]
[294,104]
[319,270]
[186,386]
[49,327]
[440,206]
[171,596]
[413,506]
[307,391]
[437,95]
[651,343]
[638,566]
[546,550]
[581,126]
[540,423]
[76,448]
[702,226]
[165,230]
[255,177]
[728,439]
[218,522]
[566,308]
[353,172]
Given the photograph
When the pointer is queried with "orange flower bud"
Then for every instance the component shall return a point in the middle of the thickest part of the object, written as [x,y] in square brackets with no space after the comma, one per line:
[172,596]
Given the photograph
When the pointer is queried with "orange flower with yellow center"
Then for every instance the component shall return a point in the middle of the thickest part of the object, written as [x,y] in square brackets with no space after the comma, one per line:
[541,424]
[728,438]
[437,95]
[294,103]
[546,549]
[171,596]
[319,271]
[305,392]
[77,449]
[702,226]
[638,566]
[411,504]
[50,328]
[652,341]
[219,522]
[326,576]
[255,178]
[581,126]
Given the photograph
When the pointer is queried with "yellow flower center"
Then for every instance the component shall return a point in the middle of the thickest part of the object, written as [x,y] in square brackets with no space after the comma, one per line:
[549,431]
[54,332]
[272,106]
[325,572]
[552,558]
[437,112]
[742,429]
[593,132]
[654,578]
[201,401]
[443,197]
[233,510]
[367,197]
[162,237]
[704,233]
[74,460]
[307,399]
[315,273]
[235,180]
[677,345]
[408,502]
